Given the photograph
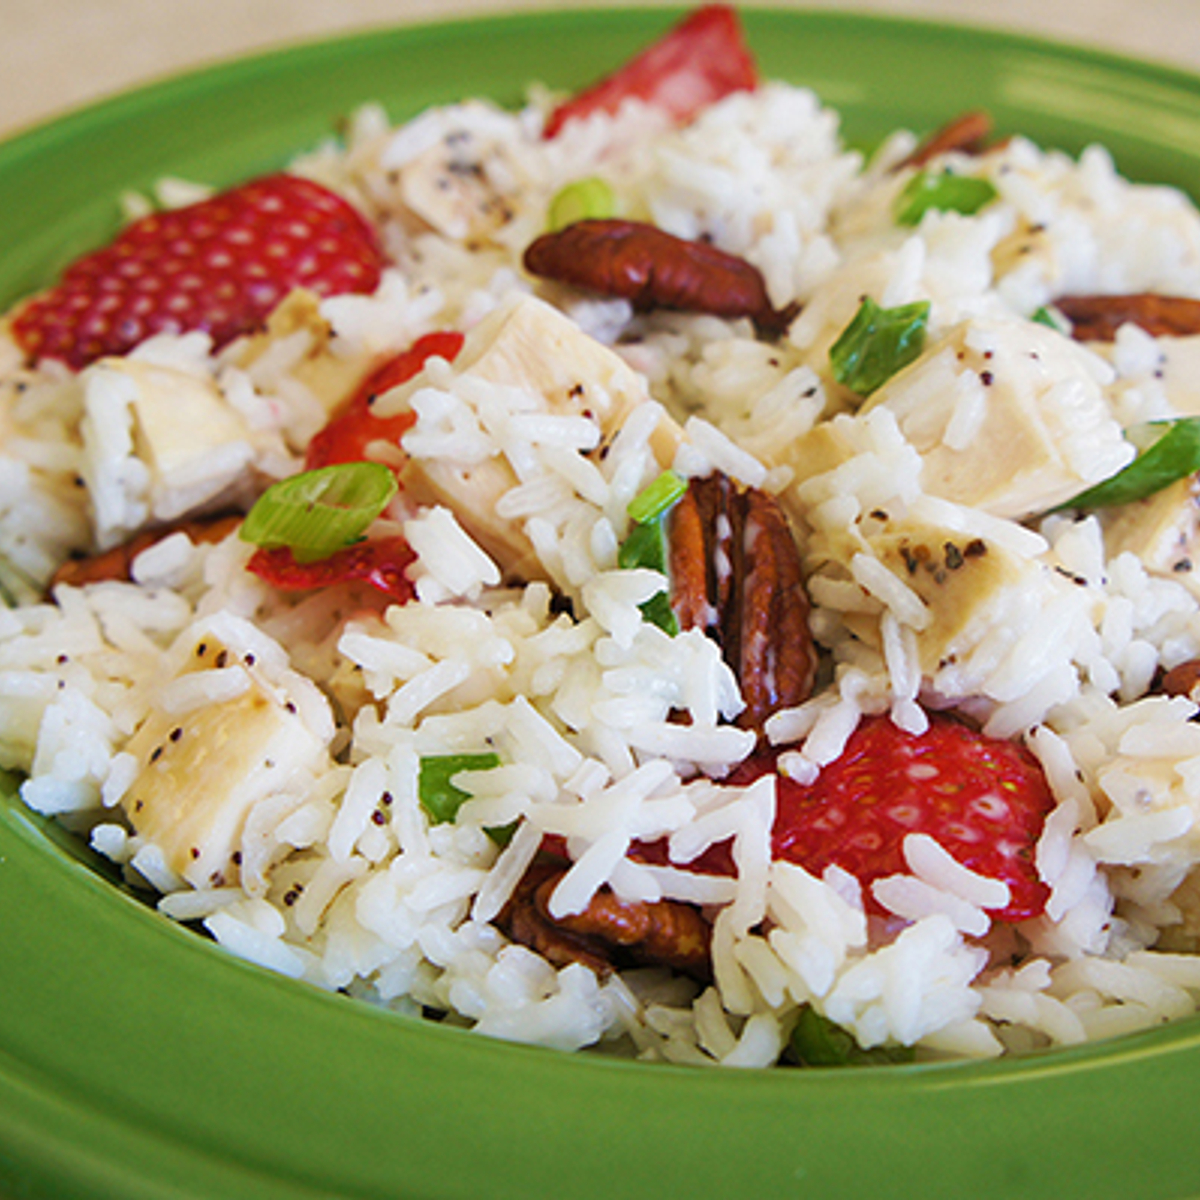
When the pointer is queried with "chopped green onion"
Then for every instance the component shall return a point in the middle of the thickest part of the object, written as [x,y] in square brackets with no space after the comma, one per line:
[17,586]
[1045,316]
[658,611]
[502,834]
[654,499]
[1169,451]
[587,199]
[877,343]
[439,797]
[646,547]
[946,192]
[319,512]
[818,1042]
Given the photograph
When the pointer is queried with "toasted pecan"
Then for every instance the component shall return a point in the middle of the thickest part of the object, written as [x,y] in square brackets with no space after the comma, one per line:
[609,931]
[735,573]
[1182,680]
[1096,318]
[117,563]
[967,133]
[661,932]
[654,269]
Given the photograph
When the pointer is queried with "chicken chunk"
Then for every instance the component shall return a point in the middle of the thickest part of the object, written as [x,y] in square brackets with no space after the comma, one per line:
[1008,416]
[1163,530]
[529,346]
[159,443]
[965,598]
[966,584]
[330,377]
[204,768]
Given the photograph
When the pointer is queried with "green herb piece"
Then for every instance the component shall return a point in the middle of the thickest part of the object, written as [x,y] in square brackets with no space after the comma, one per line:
[877,343]
[646,547]
[1045,316]
[944,191]
[319,512]
[589,199]
[17,586]
[658,611]
[656,498]
[502,834]
[439,797]
[819,1042]
[1169,451]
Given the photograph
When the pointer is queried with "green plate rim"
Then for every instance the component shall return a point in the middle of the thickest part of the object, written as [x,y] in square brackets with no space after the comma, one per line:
[139,1060]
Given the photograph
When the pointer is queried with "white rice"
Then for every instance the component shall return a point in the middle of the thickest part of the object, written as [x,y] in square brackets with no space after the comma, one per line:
[345,882]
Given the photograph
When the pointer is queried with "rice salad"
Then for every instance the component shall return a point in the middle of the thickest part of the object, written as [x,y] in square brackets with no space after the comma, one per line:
[263,760]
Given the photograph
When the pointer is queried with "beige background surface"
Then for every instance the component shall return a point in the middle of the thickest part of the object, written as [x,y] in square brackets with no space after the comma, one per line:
[58,54]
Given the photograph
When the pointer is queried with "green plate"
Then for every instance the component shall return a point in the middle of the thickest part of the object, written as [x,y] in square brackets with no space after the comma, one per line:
[138,1060]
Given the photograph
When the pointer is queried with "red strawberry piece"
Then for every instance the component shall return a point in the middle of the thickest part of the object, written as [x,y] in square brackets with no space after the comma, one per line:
[219,266]
[380,562]
[349,434]
[696,63]
[984,800]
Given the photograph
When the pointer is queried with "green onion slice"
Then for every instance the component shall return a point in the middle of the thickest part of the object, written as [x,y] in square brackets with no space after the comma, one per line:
[439,797]
[587,199]
[658,611]
[1045,316]
[653,500]
[17,587]
[818,1042]
[944,191]
[646,544]
[319,512]
[1168,451]
[877,343]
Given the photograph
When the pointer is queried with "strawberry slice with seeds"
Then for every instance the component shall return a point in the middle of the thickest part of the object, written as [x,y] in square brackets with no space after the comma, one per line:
[349,434]
[381,562]
[984,800]
[220,266]
[697,62]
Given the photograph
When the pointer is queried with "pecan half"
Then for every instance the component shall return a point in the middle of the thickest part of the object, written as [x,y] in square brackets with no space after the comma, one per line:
[1183,680]
[117,563]
[968,133]
[608,931]
[735,573]
[1097,318]
[654,269]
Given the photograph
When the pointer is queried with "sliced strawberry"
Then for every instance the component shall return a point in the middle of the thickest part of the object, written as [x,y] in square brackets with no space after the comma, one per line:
[350,432]
[696,63]
[381,562]
[984,800]
[219,266]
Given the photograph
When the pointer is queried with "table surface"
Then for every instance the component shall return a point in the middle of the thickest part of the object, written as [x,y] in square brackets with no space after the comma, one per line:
[56,55]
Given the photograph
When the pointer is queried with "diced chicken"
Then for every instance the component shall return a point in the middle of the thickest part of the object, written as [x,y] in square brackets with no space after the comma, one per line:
[458,184]
[967,587]
[204,767]
[1008,416]
[454,196]
[824,447]
[1163,531]
[530,346]
[159,443]
[1180,373]
[331,378]
[1161,375]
